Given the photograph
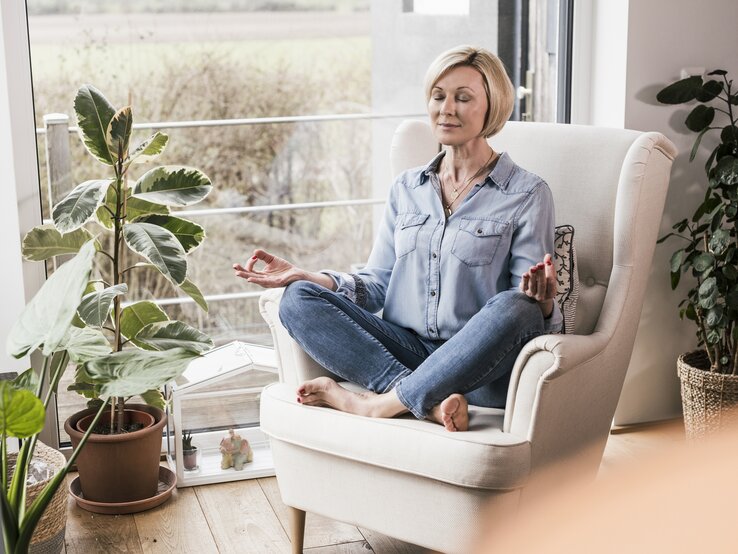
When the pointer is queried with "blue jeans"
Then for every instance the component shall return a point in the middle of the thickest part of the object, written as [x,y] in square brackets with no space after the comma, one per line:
[358,346]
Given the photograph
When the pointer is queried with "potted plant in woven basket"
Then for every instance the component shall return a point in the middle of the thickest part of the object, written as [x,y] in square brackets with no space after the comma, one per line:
[708,251]
[136,239]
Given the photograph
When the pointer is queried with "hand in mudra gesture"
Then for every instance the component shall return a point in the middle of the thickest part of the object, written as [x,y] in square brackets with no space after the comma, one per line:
[540,283]
[277,272]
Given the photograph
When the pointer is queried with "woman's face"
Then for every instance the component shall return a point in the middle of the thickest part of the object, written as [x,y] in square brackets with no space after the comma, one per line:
[457,106]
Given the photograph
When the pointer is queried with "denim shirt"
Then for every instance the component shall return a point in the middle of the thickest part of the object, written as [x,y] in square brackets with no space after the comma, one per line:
[432,274]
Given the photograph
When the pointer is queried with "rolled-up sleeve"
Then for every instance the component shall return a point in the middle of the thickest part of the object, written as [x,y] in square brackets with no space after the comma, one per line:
[533,238]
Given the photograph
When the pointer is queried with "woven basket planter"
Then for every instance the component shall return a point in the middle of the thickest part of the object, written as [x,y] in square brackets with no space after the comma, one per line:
[710,400]
[48,538]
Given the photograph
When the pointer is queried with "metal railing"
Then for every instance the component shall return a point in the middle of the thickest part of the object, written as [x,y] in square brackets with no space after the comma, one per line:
[56,133]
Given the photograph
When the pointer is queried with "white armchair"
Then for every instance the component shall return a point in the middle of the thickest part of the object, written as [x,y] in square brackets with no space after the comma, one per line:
[415,481]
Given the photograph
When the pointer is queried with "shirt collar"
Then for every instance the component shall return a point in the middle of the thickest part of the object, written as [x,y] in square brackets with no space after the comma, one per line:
[500,174]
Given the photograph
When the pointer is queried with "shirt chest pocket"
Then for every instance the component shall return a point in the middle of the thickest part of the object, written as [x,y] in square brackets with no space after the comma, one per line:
[406,233]
[477,240]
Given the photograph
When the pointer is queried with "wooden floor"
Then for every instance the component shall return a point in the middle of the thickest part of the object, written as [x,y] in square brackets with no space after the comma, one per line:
[248,517]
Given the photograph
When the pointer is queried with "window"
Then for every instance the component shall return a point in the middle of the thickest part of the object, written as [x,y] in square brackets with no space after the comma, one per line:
[289,107]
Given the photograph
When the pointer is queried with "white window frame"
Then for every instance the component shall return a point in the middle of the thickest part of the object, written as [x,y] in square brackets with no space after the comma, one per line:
[21,206]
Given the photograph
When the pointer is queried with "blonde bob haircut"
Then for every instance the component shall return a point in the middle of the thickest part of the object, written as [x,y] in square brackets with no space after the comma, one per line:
[497,85]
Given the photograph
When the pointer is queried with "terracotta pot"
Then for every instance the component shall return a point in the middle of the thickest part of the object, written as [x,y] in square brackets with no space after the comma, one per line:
[119,468]
[145,419]
[189,458]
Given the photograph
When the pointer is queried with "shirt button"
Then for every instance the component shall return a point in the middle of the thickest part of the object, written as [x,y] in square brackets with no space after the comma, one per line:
[433,293]
[435,255]
[479,231]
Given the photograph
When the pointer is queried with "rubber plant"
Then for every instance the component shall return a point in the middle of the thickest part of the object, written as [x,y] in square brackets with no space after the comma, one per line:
[709,241]
[147,349]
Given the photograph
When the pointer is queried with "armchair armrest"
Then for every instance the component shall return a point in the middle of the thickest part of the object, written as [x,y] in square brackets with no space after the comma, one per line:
[560,395]
[294,365]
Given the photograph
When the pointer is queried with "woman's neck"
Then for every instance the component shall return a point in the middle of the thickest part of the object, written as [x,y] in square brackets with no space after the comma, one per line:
[463,161]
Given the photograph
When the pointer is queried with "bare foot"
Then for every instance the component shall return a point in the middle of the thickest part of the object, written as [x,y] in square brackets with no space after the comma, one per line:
[452,413]
[324,391]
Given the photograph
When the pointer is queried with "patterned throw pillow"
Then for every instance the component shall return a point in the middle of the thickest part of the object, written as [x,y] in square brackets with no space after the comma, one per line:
[565,259]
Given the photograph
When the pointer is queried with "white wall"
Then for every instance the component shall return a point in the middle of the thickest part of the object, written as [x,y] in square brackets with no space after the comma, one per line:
[20,207]
[660,38]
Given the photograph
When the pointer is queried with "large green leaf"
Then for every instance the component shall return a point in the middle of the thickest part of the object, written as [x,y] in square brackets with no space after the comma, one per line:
[133,372]
[709,90]
[191,290]
[154,398]
[49,314]
[681,91]
[696,144]
[85,344]
[45,241]
[173,186]
[80,205]
[118,133]
[135,317]
[703,261]
[96,306]
[165,335]
[700,118]
[188,233]
[149,149]
[22,414]
[727,170]
[708,293]
[677,259]
[719,242]
[94,113]
[158,246]
[729,133]
[27,380]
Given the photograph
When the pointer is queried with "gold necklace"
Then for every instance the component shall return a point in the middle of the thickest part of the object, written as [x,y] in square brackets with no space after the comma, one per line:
[467,183]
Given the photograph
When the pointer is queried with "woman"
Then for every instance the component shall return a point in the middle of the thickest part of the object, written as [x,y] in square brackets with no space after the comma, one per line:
[459,267]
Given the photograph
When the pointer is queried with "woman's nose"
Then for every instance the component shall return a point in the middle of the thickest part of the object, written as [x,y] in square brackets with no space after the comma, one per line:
[447,107]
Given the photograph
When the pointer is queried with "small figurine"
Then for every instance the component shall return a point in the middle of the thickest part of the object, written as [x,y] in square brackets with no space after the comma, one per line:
[235,451]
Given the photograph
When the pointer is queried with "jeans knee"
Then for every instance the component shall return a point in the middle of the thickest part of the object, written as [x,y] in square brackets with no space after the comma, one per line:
[516,304]
[511,298]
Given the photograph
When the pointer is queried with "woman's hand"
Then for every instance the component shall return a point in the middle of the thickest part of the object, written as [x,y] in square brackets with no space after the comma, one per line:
[277,272]
[540,283]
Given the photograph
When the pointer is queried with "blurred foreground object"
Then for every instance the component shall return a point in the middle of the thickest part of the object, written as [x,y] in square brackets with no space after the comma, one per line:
[681,499]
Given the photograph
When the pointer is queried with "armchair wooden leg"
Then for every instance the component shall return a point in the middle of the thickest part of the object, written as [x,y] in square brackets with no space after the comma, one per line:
[297,529]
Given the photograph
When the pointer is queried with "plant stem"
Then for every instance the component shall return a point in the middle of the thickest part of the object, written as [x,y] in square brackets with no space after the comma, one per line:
[4,451]
[730,108]
[704,336]
[106,255]
[57,371]
[42,377]
[120,188]
[112,417]
[121,412]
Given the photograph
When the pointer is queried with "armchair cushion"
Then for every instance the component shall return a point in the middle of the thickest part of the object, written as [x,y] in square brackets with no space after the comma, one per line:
[484,457]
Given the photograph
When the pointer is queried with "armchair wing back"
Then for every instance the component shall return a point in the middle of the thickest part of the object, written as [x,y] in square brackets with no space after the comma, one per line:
[610,185]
